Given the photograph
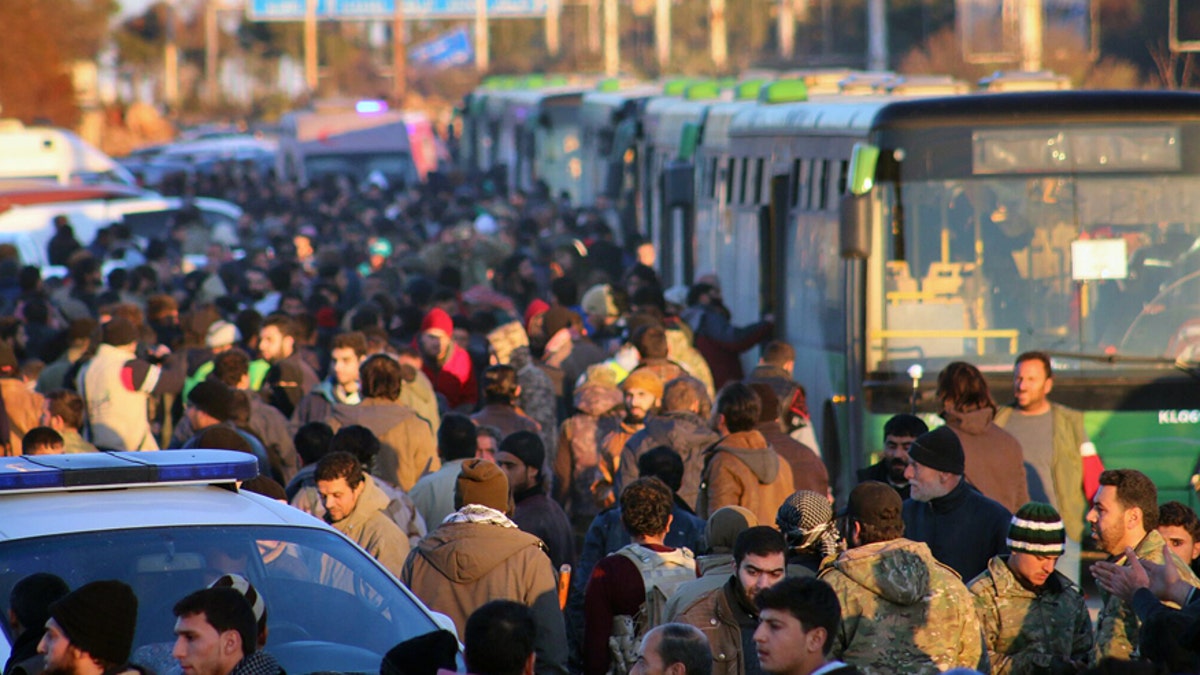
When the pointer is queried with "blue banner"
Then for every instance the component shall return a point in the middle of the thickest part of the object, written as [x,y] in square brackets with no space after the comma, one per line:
[445,51]
[293,10]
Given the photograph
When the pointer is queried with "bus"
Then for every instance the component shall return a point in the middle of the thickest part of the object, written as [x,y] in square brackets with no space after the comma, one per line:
[890,236]
[527,133]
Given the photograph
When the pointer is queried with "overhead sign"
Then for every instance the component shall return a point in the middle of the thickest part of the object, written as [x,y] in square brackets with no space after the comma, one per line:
[362,10]
[446,50]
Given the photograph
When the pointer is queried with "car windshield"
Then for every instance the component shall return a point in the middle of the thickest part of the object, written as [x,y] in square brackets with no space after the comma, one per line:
[329,607]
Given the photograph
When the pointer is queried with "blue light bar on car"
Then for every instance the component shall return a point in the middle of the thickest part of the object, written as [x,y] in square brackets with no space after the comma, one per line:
[116,469]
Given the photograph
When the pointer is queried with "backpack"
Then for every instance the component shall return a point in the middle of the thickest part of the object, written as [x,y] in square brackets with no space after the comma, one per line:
[662,574]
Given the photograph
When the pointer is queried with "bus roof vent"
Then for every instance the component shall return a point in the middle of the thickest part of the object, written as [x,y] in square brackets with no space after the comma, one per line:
[783,91]
[702,91]
[677,87]
[748,90]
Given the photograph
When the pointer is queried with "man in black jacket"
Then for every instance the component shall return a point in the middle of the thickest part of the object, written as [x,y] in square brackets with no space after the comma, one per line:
[963,528]
[898,435]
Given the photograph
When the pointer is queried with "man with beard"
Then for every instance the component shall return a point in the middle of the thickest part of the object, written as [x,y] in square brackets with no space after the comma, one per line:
[289,377]
[683,425]
[1124,515]
[90,631]
[727,615]
[643,391]
[898,435]
[1034,619]
[521,457]
[357,507]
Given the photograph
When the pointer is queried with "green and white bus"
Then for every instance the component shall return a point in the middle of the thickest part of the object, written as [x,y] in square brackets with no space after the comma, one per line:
[892,235]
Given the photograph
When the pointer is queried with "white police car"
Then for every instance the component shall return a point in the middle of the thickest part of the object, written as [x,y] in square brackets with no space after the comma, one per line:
[168,523]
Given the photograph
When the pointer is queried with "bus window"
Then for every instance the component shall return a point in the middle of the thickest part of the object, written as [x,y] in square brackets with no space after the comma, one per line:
[759,179]
[729,181]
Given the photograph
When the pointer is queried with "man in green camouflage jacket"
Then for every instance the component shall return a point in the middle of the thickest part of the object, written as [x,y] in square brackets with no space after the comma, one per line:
[1124,514]
[902,610]
[1034,618]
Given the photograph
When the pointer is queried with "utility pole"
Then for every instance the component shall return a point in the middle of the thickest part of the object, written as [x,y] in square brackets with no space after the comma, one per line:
[310,46]
[211,63]
[594,30]
[1031,35]
[787,29]
[482,42]
[612,33]
[171,62]
[662,33]
[877,37]
[399,56]
[553,27]
[718,41]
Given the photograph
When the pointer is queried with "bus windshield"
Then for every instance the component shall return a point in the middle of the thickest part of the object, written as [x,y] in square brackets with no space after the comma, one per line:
[984,268]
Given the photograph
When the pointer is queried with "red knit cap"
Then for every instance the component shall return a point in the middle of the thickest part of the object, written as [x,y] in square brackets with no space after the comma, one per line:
[537,306]
[437,319]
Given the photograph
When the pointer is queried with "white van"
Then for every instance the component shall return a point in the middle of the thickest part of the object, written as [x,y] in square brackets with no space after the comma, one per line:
[48,152]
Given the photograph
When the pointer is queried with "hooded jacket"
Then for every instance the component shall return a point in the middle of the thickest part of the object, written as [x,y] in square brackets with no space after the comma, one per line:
[687,433]
[407,447]
[744,470]
[461,566]
[808,471]
[994,461]
[370,526]
[903,611]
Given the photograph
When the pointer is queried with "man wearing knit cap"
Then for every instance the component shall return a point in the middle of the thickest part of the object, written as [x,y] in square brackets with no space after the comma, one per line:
[963,528]
[578,477]
[521,456]
[1034,619]
[117,386]
[90,630]
[917,617]
[643,392]
[447,365]
[742,469]
[478,554]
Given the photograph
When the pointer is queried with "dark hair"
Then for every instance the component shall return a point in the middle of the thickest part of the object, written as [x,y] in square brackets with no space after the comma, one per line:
[40,437]
[312,441]
[1135,488]
[778,353]
[224,609]
[358,441]
[680,393]
[489,431]
[337,465]
[500,384]
[1041,357]
[646,507]
[230,366]
[499,638]
[698,290]
[31,597]
[740,406]
[457,438]
[380,376]
[355,340]
[68,405]
[904,425]
[650,341]
[285,324]
[760,540]
[1178,514]
[664,464]
[810,601]
[960,385]
[684,643]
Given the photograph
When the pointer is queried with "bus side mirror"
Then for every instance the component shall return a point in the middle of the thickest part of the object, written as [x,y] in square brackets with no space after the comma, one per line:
[855,206]
[855,226]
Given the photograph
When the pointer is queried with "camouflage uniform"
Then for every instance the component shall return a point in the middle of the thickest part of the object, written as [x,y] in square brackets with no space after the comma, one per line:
[1028,632]
[903,612]
[1117,626]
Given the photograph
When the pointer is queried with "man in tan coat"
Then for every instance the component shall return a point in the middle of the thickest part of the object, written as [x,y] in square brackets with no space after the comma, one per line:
[408,449]
[742,469]
[478,554]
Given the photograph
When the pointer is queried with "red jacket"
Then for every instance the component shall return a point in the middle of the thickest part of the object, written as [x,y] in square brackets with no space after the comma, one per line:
[455,379]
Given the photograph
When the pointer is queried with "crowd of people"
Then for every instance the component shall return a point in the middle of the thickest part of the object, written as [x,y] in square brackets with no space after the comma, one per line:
[497,399]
